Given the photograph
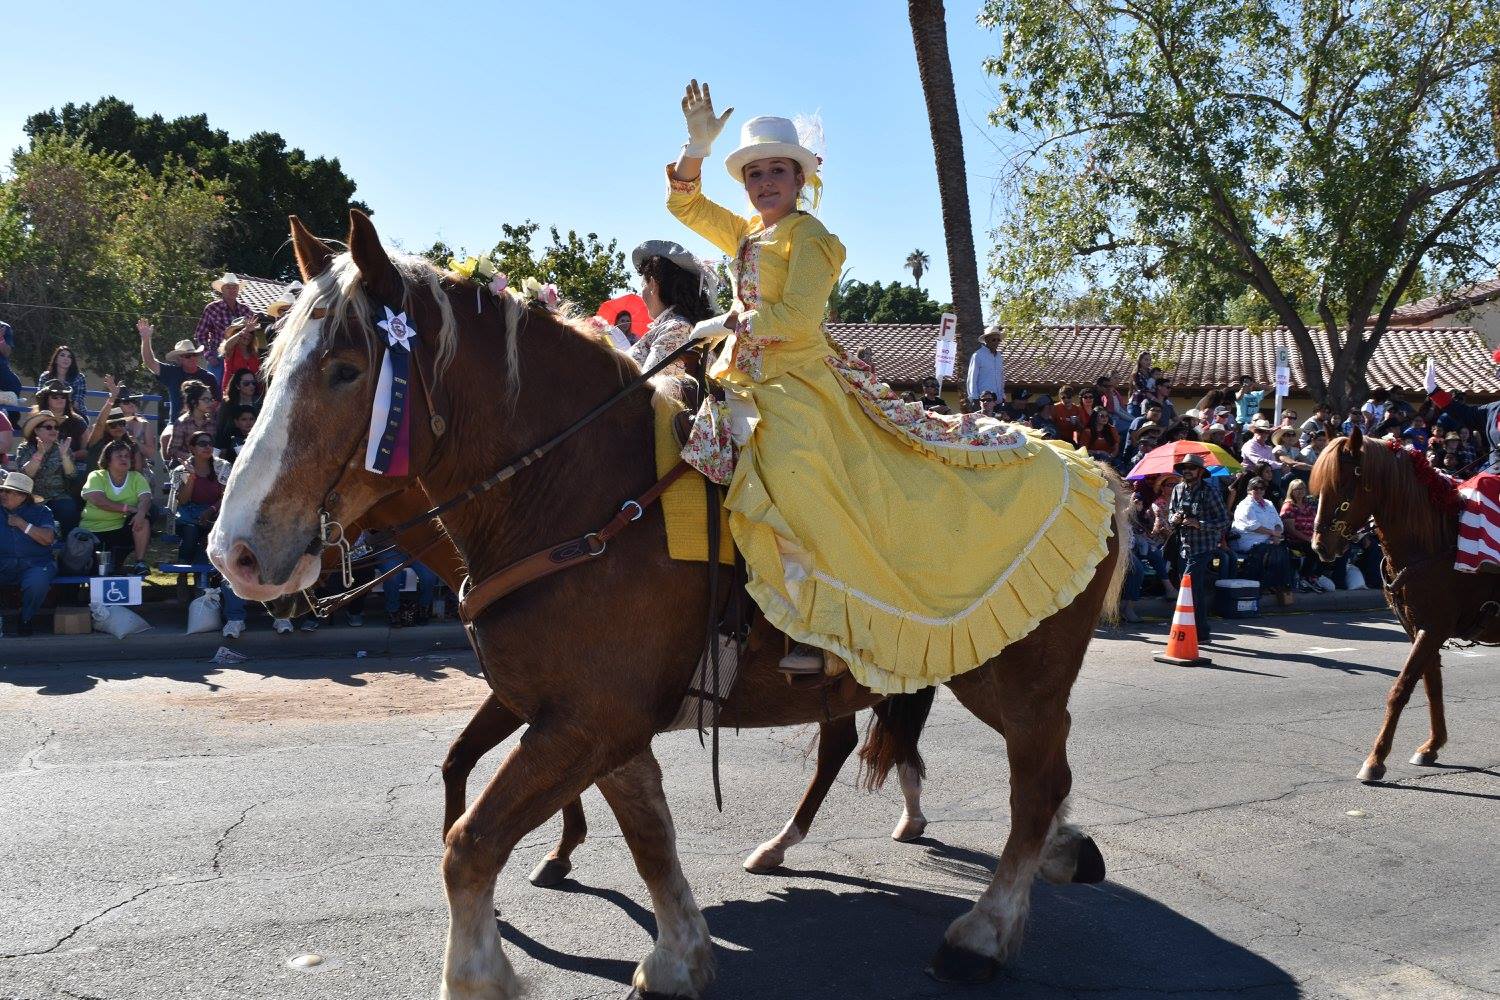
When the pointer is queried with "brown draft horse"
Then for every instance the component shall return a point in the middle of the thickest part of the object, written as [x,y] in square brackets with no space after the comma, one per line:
[1416,518]
[893,734]
[595,659]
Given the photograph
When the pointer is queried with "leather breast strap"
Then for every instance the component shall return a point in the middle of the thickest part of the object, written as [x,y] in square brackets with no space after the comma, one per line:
[474,599]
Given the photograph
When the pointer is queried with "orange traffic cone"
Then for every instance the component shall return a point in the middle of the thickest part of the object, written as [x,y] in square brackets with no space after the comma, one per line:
[1182,643]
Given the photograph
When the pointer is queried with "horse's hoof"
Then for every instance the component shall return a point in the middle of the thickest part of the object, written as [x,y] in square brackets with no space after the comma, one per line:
[764,860]
[909,829]
[958,965]
[1371,773]
[551,872]
[1090,870]
[636,994]
[1428,759]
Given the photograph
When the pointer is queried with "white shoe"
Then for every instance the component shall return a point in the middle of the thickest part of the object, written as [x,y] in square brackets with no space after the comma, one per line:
[283,626]
[233,629]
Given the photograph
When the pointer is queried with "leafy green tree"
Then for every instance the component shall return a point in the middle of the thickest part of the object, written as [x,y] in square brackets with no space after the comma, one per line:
[90,240]
[1320,154]
[265,181]
[859,302]
[586,270]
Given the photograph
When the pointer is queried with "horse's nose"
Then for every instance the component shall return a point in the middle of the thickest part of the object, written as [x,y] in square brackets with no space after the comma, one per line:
[242,567]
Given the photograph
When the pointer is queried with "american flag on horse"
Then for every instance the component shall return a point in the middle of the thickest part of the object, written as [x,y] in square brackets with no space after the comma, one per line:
[1479,524]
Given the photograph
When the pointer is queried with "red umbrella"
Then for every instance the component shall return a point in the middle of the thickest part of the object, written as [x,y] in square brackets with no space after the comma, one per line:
[1161,459]
[632,304]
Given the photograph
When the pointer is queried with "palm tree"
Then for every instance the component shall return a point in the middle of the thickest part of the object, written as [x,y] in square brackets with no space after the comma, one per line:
[929,33]
[917,262]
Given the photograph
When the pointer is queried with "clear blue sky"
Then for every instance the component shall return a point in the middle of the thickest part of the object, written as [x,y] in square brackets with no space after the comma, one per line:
[565,114]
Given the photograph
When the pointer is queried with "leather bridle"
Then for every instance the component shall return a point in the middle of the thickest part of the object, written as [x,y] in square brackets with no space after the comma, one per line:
[1337,523]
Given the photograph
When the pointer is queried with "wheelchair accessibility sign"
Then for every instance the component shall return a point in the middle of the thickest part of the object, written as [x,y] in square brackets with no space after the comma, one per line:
[115,590]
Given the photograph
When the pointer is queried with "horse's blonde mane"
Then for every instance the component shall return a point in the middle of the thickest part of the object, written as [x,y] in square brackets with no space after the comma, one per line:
[340,290]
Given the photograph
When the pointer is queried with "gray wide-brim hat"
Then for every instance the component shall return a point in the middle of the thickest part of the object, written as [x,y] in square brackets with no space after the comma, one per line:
[1193,461]
[679,255]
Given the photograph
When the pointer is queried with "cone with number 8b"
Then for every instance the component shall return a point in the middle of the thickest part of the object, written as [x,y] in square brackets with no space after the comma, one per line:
[1182,641]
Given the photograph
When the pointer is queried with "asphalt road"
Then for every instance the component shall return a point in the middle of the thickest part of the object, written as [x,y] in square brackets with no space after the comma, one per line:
[176,830]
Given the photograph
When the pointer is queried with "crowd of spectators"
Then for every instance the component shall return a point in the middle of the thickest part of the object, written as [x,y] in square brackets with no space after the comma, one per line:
[85,495]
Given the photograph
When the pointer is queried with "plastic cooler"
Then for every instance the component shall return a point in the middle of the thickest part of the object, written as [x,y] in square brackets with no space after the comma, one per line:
[1237,598]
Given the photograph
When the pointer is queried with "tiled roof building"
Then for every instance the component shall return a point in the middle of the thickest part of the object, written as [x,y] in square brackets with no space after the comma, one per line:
[257,293]
[1208,358]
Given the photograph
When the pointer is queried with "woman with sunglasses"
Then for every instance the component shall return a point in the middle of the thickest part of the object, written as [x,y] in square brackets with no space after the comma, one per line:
[47,457]
[57,399]
[197,487]
[242,388]
[63,368]
[197,415]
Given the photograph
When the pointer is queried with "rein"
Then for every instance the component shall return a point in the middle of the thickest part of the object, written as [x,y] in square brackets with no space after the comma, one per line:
[492,588]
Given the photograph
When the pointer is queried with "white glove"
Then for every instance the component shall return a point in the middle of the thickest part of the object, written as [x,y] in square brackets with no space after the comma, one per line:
[1431,383]
[702,125]
[711,330]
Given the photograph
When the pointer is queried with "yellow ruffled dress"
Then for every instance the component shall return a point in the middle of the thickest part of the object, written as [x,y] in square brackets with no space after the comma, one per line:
[914,545]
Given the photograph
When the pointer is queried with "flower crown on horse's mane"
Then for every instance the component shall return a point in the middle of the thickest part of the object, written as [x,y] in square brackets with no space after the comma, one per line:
[484,273]
[1440,489]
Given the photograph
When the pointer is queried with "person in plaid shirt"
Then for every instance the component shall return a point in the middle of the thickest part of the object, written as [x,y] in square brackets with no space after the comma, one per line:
[217,316]
[1197,513]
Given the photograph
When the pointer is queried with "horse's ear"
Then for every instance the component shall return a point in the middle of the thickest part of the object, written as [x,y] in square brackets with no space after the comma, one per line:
[1356,439]
[313,255]
[375,267]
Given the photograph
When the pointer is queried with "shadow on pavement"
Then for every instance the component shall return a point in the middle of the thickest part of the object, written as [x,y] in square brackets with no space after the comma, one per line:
[843,937]
[347,670]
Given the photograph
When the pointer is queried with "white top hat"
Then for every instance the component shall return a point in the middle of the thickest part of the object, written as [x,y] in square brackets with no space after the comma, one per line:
[228,278]
[768,136]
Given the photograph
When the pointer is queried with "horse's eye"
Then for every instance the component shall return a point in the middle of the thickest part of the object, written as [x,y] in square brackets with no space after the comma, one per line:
[344,373]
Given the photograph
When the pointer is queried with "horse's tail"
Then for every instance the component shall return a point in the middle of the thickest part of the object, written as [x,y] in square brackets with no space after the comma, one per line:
[892,739]
[1110,612]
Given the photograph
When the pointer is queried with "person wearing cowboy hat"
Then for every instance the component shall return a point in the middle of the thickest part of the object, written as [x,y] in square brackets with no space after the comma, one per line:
[678,290]
[986,367]
[1197,513]
[183,363]
[111,424]
[217,316]
[808,442]
[1288,454]
[26,545]
[47,459]
[1258,448]
[57,399]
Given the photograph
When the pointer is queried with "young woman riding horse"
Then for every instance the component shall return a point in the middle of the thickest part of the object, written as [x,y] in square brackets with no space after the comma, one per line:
[595,689]
[1415,511]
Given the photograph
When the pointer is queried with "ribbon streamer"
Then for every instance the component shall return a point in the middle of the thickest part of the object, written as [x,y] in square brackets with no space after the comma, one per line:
[388,450]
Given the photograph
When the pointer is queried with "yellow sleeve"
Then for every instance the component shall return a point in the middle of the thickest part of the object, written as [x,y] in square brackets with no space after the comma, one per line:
[812,270]
[710,220]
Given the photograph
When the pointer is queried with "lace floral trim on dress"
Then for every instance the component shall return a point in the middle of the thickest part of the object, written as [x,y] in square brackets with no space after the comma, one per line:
[958,430]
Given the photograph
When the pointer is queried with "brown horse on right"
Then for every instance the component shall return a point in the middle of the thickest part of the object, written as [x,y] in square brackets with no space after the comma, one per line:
[1415,511]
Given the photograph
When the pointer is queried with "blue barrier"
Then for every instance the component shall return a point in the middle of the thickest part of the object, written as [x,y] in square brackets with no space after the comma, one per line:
[30,390]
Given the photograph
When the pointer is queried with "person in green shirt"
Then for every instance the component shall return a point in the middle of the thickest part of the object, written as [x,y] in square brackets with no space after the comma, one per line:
[111,494]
